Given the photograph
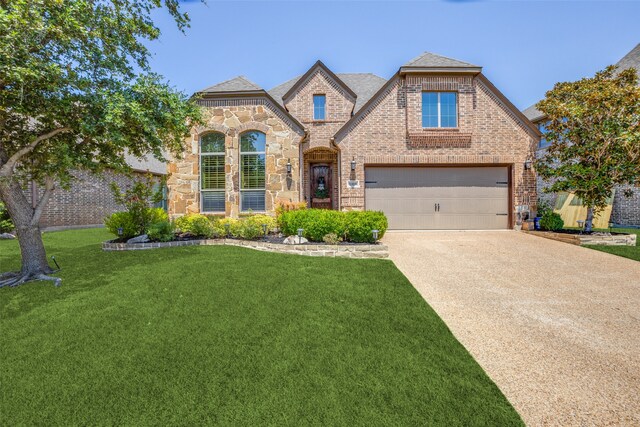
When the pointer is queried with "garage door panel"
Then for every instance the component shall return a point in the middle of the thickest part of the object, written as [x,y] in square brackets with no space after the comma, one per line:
[468,197]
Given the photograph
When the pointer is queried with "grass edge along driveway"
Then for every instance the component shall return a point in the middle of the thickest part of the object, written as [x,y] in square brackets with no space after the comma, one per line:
[227,335]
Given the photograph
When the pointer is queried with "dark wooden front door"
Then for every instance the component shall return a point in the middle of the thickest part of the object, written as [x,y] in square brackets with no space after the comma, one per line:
[321,191]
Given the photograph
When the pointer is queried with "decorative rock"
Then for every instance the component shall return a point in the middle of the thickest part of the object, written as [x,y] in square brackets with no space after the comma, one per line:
[7,236]
[294,240]
[139,239]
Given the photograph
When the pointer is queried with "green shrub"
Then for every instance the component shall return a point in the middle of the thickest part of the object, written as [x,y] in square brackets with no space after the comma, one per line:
[123,221]
[196,224]
[551,221]
[161,231]
[316,223]
[250,227]
[6,224]
[331,239]
[220,228]
[360,224]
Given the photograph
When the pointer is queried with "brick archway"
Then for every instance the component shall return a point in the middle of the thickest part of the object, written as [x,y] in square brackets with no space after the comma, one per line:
[326,161]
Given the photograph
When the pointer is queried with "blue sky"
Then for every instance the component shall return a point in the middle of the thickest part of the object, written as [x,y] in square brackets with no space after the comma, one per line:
[524,46]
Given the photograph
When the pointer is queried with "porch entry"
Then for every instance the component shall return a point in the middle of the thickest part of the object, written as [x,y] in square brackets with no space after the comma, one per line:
[321,186]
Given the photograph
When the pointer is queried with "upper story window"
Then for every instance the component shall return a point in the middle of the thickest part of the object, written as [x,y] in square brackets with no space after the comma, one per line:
[212,175]
[252,171]
[542,127]
[439,109]
[319,102]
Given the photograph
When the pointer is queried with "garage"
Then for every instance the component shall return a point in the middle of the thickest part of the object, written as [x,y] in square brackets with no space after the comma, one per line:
[440,198]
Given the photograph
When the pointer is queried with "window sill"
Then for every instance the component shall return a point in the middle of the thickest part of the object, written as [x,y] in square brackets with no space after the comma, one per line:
[456,129]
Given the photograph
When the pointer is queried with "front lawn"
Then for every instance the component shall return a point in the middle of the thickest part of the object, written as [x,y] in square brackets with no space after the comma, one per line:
[227,335]
[632,252]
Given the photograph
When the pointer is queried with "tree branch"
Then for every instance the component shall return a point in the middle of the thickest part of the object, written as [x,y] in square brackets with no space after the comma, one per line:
[7,168]
[48,188]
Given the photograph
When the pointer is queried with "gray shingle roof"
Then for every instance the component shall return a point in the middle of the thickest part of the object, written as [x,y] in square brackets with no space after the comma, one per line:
[631,60]
[236,84]
[431,60]
[533,114]
[365,85]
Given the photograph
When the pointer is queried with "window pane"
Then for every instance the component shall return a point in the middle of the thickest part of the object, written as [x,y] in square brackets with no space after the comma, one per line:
[429,110]
[213,201]
[448,109]
[319,107]
[253,142]
[212,172]
[252,171]
[252,200]
[212,143]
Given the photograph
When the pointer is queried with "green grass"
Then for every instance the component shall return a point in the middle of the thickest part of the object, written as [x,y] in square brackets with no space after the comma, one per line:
[632,252]
[226,335]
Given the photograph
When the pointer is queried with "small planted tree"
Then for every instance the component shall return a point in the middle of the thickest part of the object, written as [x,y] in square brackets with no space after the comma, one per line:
[76,91]
[594,134]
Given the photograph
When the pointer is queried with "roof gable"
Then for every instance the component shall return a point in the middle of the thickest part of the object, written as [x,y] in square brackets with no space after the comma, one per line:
[309,73]
[431,62]
[236,84]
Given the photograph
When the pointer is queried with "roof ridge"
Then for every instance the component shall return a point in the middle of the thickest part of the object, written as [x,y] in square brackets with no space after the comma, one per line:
[424,54]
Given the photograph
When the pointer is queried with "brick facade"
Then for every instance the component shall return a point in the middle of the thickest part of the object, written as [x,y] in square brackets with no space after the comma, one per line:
[86,203]
[390,132]
[387,130]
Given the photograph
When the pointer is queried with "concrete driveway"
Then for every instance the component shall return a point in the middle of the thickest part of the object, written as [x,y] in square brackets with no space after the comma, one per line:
[556,326]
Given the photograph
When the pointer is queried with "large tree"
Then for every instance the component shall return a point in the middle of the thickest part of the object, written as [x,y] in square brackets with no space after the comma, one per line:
[594,133]
[77,92]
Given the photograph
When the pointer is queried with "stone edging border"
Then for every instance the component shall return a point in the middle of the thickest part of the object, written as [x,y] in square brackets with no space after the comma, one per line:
[587,239]
[308,249]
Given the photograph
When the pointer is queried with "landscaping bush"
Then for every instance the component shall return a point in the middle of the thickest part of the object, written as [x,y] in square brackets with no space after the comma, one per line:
[283,207]
[360,223]
[123,221]
[221,230]
[6,224]
[138,200]
[250,227]
[316,223]
[551,221]
[197,225]
[332,239]
[161,231]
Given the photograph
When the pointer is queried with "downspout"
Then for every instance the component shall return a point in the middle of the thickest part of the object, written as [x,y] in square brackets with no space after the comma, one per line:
[339,165]
[301,167]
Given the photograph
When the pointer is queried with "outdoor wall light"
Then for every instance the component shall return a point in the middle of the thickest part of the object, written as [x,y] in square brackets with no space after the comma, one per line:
[375,235]
[353,164]
[527,164]
[120,231]
[288,166]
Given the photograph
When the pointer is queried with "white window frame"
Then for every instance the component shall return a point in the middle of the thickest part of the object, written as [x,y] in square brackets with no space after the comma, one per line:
[265,171]
[438,93]
[203,190]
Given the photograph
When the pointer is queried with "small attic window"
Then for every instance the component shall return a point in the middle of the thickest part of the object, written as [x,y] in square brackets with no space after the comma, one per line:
[319,102]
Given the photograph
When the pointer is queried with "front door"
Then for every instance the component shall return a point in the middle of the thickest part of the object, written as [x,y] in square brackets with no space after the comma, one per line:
[321,194]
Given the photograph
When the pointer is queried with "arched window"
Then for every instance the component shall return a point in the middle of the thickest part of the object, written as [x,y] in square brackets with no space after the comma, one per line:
[212,172]
[252,171]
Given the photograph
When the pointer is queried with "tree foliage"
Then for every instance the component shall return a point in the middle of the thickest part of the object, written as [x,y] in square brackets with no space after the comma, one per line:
[77,91]
[594,133]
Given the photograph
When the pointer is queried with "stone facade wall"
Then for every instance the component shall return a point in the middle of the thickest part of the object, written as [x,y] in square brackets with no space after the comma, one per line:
[232,117]
[86,203]
[390,132]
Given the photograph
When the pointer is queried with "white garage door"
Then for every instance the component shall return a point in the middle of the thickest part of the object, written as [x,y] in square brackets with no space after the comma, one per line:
[439,198]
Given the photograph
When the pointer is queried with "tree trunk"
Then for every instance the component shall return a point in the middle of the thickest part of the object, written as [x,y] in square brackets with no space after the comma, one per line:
[588,224]
[34,257]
